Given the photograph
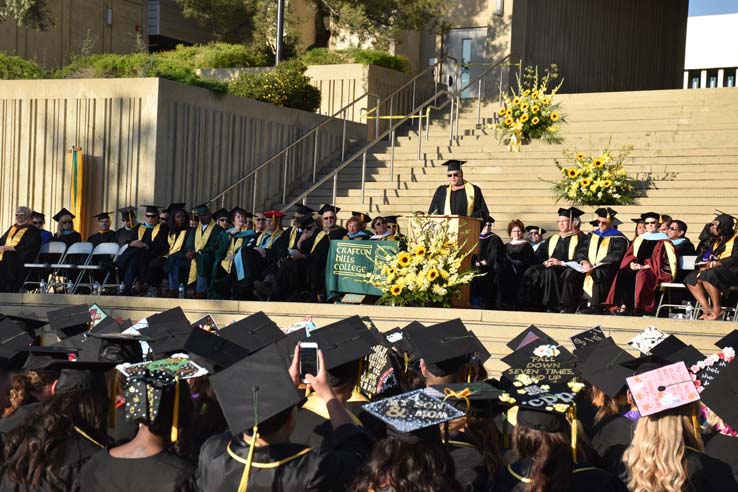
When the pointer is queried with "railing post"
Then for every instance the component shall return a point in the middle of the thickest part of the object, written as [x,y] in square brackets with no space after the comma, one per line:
[335,188]
[392,155]
[458,105]
[253,195]
[315,155]
[500,85]
[412,108]
[420,131]
[222,200]
[376,121]
[479,102]
[451,123]
[284,178]
[343,137]
[391,110]
[363,176]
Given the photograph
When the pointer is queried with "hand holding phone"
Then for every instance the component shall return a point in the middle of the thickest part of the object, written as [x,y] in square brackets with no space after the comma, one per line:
[308,360]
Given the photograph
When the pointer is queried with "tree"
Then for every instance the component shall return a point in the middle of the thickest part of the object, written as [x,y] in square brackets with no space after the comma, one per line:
[34,14]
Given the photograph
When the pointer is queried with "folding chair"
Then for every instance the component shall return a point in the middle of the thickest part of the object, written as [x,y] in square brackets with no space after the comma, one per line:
[115,272]
[40,269]
[686,263]
[103,252]
[77,254]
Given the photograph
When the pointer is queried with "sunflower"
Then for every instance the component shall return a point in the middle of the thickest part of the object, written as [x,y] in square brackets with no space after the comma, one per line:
[546,100]
[391,271]
[554,116]
[572,172]
[535,108]
[534,95]
[524,106]
[585,182]
[508,121]
[403,259]
[598,163]
[432,274]
[501,112]
[526,92]
[420,250]
[524,117]
[580,156]
[606,183]
[508,112]
[535,120]
[396,290]
[516,101]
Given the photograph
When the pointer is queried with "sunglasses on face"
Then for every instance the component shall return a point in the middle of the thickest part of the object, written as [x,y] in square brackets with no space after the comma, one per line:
[329,218]
[37,222]
[676,229]
[602,222]
[648,222]
[259,220]
[452,175]
[151,216]
[66,222]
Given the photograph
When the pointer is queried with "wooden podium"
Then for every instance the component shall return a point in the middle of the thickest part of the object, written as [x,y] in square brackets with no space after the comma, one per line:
[461,230]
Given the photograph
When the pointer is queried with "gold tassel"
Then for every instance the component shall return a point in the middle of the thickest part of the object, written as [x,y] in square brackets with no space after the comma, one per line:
[113,400]
[574,429]
[357,387]
[695,421]
[244,484]
[175,417]
[407,360]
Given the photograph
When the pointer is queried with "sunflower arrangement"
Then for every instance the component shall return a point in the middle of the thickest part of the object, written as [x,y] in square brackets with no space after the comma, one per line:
[530,112]
[595,179]
[428,273]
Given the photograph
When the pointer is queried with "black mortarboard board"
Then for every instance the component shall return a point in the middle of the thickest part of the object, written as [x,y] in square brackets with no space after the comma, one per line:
[488,219]
[645,363]
[80,380]
[606,212]
[667,346]
[253,332]
[120,348]
[535,227]
[175,206]
[303,209]
[38,215]
[594,222]
[721,396]
[221,213]
[70,321]
[729,340]
[445,347]
[217,352]
[574,212]
[61,213]
[362,216]
[544,407]
[552,362]
[169,331]
[327,207]
[14,343]
[709,369]
[102,215]
[88,348]
[55,357]
[152,209]
[127,212]
[31,322]
[343,342]
[306,222]
[412,411]
[261,379]
[390,219]
[403,343]
[482,396]
[584,342]
[106,326]
[650,215]
[531,334]
[287,344]
[637,220]
[603,367]
[453,165]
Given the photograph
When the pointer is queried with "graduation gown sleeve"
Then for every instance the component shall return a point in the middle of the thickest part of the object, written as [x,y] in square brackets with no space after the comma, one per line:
[438,202]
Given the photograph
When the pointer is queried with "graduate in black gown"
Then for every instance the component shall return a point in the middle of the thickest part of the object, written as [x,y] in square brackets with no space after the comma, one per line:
[104,234]
[259,398]
[518,258]
[128,232]
[329,215]
[489,261]
[65,231]
[19,245]
[458,197]
[140,262]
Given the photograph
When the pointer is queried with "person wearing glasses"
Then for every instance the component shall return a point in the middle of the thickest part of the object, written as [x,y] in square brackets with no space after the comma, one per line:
[201,248]
[39,220]
[718,267]
[650,260]
[222,218]
[65,228]
[381,232]
[232,241]
[394,229]
[253,264]
[535,236]
[354,231]
[19,245]
[458,197]
[329,213]
[128,232]
[150,243]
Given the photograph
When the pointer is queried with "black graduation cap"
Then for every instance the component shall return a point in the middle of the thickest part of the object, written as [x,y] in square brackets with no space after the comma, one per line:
[175,206]
[30,322]
[531,334]
[645,363]
[327,207]
[551,362]
[544,407]
[286,345]
[481,397]
[453,164]
[38,215]
[403,344]
[721,396]
[218,352]
[488,219]
[303,209]
[343,342]
[571,212]
[445,347]
[152,209]
[88,348]
[102,215]
[253,332]
[637,220]
[82,380]
[168,330]
[390,219]
[14,343]
[203,208]
[221,213]
[586,340]
[362,217]
[729,340]
[650,215]
[604,368]
[61,213]
[55,357]
[306,222]
[106,326]
[540,229]
[70,321]
[413,411]
[128,213]
[673,349]
[257,385]
[119,347]
[605,212]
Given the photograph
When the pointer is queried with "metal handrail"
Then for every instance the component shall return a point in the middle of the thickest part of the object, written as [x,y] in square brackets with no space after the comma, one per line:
[478,80]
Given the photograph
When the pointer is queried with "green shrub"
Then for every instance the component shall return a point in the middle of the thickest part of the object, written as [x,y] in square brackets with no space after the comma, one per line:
[15,67]
[286,85]
[324,56]
[218,55]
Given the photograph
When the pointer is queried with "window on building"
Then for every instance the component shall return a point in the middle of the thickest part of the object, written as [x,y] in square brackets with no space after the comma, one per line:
[712,79]
[694,79]
[729,77]
[466,45]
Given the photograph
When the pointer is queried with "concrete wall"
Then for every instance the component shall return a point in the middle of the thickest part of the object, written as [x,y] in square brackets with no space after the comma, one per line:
[711,42]
[145,141]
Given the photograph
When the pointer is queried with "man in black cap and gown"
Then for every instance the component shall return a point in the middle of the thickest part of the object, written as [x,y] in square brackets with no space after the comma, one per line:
[19,245]
[140,261]
[127,233]
[458,197]
[104,234]
[329,214]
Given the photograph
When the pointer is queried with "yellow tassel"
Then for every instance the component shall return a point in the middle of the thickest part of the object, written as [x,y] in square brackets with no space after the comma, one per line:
[468,374]
[407,360]
[244,484]
[695,421]
[113,400]
[574,426]
[175,417]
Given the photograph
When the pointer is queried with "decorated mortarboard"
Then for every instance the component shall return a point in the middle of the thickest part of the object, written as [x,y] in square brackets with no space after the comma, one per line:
[650,215]
[543,406]
[412,411]
[663,388]
[257,387]
[453,164]
[327,207]
[303,209]
[378,376]
[540,229]
[445,347]
[604,368]
[584,342]
[175,206]
[61,213]
[273,214]
[647,339]
[343,342]
[479,396]
[721,394]
[218,352]
[729,340]
[253,332]
[102,215]
[708,369]
[530,335]
[206,323]
[552,363]
[403,345]
[365,218]
[69,321]
[152,209]
[221,213]
[168,330]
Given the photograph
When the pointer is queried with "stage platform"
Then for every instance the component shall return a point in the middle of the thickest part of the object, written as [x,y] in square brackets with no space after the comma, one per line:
[494,328]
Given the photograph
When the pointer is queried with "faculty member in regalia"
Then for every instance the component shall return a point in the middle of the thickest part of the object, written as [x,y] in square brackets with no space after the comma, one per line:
[458,197]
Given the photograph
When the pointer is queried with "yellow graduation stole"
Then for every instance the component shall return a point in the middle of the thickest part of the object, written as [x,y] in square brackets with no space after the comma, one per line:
[670,253]
[597,252]
[292,243]
[232,248]
[14,237]
[317,406]
[726,252]
[468,191]
[142,231]
[272,238]
[201,240]
[176,242]
[573,243]
[318,237]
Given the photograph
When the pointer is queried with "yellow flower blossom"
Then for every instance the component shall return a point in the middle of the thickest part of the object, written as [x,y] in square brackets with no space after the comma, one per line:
[554,116]
[420,250]
[396,290]
[534,95]
[508,121]
[572,172]
[524,106]
[585,182]
[535,120]
[580,156]
[535,108]
[598,163]
[606,183]
[524,117]
[526,92]
[432,274]
[508,112]
[403,259]
[594,187]
[501,112]
[516,101]
[444,274]
[545,100]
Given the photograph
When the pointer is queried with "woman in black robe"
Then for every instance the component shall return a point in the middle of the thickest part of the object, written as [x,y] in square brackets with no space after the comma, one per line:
[65,230]
[488,261]
[519,256]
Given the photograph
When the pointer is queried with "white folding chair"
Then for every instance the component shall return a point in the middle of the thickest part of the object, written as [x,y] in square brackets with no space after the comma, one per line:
[116,273]
[77,255]
[40,269]
[94,266]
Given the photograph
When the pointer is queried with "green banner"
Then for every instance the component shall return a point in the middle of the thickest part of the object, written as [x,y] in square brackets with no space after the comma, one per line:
[351,262]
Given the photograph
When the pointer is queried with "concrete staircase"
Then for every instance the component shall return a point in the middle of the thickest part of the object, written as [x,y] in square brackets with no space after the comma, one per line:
[685,142]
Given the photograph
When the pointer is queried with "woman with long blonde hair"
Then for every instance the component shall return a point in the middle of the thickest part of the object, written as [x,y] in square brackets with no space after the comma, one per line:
[666,455]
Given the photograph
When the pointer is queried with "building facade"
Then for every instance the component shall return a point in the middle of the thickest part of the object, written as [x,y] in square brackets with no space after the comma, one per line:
[711,57]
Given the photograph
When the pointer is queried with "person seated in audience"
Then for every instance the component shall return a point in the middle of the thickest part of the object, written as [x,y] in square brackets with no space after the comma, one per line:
[252,264]
[354,232]
[677,231]
[128,232]
[104,234]
[19,245]
[329,213]
[201,248]
[259,221]
[664,221]
[138,262]
[39,220]
[535,236]
[640,227]
[231,242]
[379,226]
[364,219]
[221,218]
[65,230]
[396,234]
[489,261]
[650,260]
[718,268]
[519,257]
[176,262]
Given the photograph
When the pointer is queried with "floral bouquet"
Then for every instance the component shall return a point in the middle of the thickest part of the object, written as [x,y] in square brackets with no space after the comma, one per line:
[428,273]
[530,111]
[595,180]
